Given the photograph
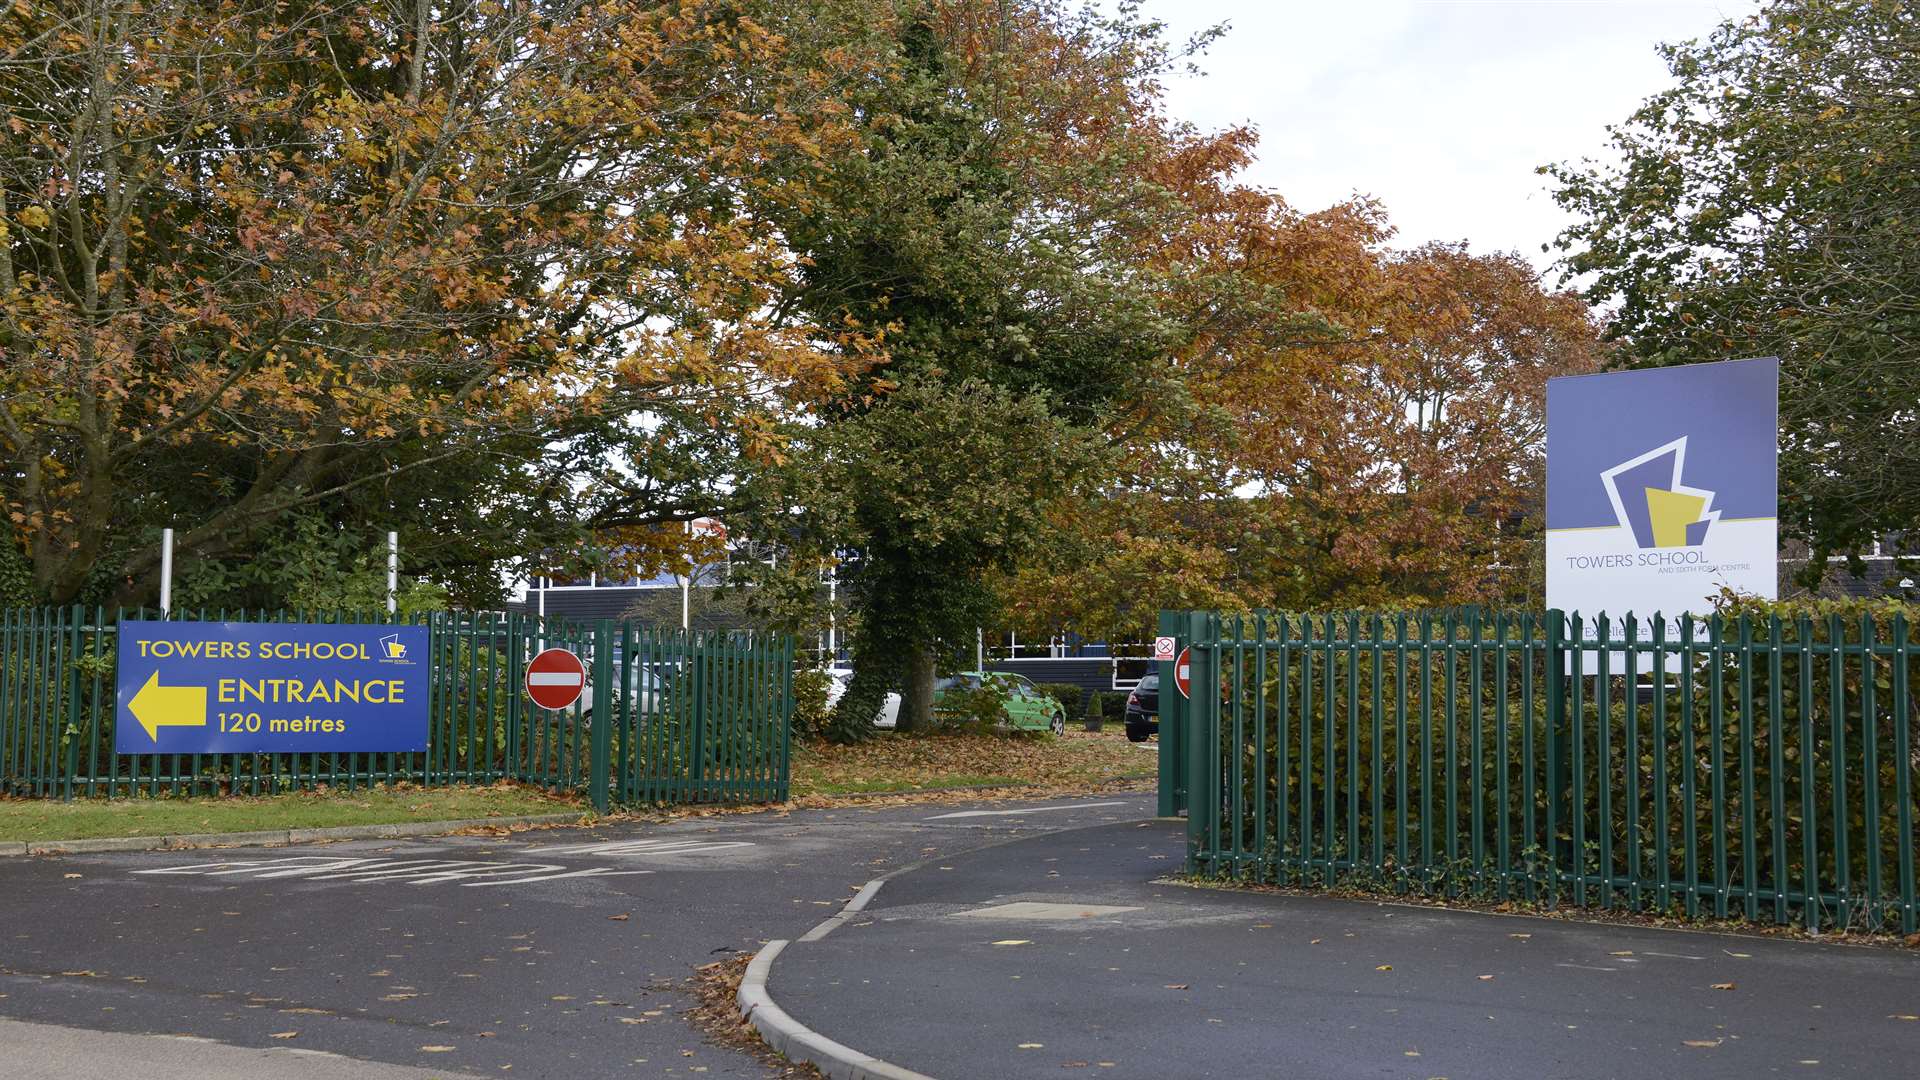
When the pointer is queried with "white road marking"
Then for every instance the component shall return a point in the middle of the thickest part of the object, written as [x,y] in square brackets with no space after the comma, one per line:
[658,846]
[1673,955]
[1022,812]
[1586,967]
[1032,909]
[391,871]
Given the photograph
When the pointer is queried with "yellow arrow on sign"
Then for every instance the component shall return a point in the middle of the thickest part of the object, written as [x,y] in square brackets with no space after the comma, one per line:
[157,706]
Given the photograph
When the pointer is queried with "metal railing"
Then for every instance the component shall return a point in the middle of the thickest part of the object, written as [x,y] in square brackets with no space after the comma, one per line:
[1761,769]
[711,725]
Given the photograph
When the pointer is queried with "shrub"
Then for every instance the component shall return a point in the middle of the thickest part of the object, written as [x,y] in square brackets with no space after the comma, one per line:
[810,713]
[1070,696]
[975,710]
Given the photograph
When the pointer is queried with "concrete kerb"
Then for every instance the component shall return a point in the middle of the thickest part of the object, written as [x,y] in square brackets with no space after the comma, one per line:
[271,837]
[854,906]
[799,1042]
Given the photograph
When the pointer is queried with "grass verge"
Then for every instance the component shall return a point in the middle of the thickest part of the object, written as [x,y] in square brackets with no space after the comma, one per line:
[895,763]
[44,819]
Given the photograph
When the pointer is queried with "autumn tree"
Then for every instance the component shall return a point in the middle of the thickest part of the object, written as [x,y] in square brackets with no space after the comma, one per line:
[988,230]
[1382,445]
[351,259]
[1768,203]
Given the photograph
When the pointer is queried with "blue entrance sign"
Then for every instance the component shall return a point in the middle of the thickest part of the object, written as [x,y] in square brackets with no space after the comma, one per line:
[238,688]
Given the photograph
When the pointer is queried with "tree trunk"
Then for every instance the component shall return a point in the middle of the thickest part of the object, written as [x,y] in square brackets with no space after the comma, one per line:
[916,698]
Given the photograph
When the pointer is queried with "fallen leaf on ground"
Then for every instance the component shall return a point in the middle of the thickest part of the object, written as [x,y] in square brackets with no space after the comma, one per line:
[283,1035]
[1723,986]
[619,918]
[436,1049]
[1031,1046]
[1177,986]
[1704,1043]
[69,876]
[1384,967]
[1484,978]
[1014,941]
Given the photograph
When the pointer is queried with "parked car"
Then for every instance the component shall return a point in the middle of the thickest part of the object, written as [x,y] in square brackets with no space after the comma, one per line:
[1027,708]
[646,688]
[1143,708]
[838,679]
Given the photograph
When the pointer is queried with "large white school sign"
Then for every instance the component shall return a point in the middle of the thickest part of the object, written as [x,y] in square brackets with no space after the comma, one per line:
[1661,489]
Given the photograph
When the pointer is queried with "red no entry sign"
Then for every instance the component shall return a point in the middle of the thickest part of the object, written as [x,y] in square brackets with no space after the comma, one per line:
[1182,669]
[555,679]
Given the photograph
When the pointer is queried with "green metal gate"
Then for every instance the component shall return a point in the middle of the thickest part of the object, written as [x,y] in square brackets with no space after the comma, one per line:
[673,717]
[1761,769]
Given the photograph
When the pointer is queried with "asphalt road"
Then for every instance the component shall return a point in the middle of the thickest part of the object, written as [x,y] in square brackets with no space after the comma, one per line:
[556,953]
[1002,964]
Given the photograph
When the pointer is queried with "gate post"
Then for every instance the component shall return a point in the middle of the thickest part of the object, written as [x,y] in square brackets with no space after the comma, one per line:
[1559,765]
[602,713]
[1173,722]
[1200,742]
[516,678]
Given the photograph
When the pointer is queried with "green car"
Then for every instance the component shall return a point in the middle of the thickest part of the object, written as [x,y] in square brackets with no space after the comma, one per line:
[1027,708]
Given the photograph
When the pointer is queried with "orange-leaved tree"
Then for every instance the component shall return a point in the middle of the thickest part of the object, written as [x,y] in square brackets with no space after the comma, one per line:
[1361,426]
[263,258]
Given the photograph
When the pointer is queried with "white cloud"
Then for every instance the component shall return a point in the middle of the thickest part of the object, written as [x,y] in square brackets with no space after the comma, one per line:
[1441,109]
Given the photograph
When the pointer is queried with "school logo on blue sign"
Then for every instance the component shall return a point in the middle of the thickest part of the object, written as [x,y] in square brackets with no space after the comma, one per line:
[1649,499]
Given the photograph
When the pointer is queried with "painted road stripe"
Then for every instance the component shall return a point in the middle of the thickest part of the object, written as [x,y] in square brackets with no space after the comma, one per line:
[554,678]
[644,847]
[1019,813]
[390,871]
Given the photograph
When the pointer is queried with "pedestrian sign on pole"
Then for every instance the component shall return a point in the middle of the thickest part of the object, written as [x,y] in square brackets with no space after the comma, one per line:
[270,688]
[555,679]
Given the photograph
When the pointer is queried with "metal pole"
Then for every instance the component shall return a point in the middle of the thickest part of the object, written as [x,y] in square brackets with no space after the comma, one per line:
[686,590]
[166,572]
[833,582]
[979,649]
[393,571]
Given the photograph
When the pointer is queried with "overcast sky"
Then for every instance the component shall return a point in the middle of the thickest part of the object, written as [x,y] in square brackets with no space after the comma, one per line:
[1440,108]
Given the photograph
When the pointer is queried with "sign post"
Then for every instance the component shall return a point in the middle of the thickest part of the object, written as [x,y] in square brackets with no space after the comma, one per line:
[270,688]
[1173,717]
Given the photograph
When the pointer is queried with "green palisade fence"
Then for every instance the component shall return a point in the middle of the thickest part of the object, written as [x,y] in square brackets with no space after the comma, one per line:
[1728,768]
[711,725]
